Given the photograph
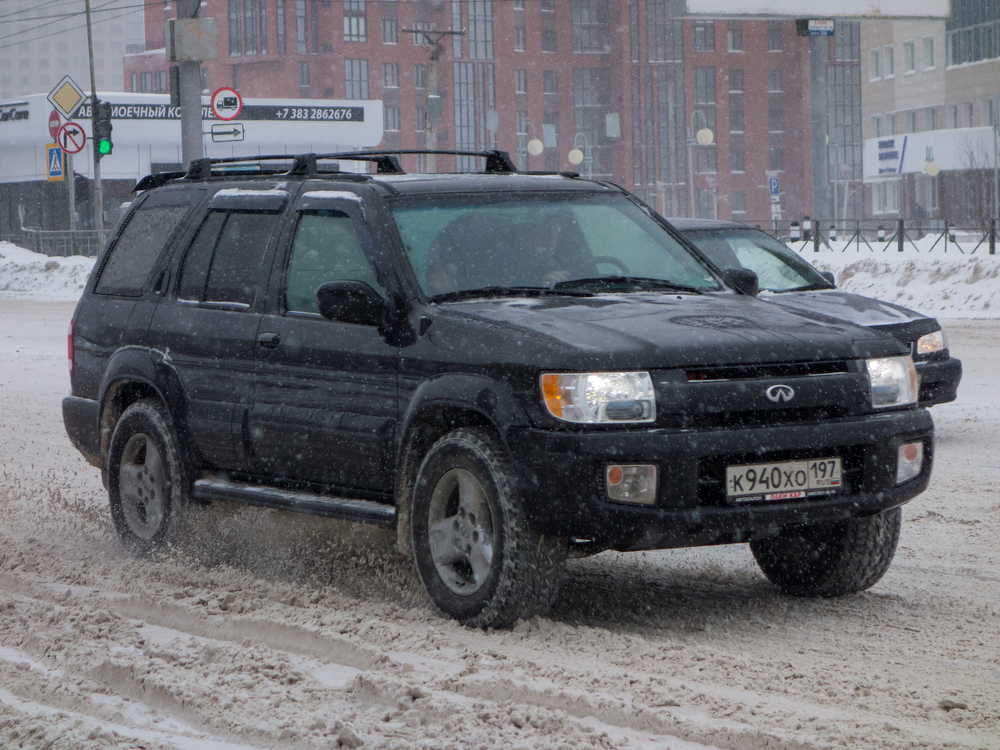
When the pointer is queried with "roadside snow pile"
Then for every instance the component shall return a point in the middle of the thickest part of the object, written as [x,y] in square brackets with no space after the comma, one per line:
[940,284]
[25,274]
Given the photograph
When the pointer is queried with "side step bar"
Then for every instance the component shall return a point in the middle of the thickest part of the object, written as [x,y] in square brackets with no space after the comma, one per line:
[362,511]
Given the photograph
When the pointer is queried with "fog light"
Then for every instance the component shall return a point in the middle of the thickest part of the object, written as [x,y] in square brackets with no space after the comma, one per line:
[631,483]
[909,461]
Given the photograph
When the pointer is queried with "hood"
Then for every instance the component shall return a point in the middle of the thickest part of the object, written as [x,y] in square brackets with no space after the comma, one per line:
[896,320]
[646,331]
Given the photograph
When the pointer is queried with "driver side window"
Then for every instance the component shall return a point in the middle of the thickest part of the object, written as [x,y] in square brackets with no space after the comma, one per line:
[326,248]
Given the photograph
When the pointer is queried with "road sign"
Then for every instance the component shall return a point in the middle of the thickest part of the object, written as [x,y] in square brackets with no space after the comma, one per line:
[226,103]
[223,132]
[67,97]
[71,138]
[772,184]
[54,121]
[55,162]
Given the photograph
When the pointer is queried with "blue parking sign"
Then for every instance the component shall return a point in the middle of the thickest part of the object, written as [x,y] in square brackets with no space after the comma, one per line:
[55,162]
[772,183]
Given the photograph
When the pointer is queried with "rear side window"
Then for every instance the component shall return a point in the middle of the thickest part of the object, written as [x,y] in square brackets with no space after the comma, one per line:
[223,263]
[134,256]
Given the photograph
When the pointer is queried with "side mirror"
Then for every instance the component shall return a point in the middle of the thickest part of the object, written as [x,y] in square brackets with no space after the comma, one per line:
[828,275]
[350,302]
[742,280]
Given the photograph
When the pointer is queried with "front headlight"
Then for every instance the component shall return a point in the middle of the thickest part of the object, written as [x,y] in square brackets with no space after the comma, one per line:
[931,343]
[893,381]
[599,397]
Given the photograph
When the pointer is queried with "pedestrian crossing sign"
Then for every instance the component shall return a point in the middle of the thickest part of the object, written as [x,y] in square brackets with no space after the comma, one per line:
[56,162]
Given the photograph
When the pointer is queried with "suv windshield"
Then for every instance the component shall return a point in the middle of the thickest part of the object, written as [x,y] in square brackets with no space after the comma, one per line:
[459,244]
[778,269]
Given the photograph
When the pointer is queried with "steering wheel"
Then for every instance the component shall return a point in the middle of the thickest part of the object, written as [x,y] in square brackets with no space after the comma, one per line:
[612,260]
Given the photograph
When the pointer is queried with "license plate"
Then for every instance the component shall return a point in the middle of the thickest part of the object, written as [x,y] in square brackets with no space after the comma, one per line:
[788,480]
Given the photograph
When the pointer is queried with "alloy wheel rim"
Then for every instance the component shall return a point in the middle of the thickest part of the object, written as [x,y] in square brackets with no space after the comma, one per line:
[460,532]
[142,486]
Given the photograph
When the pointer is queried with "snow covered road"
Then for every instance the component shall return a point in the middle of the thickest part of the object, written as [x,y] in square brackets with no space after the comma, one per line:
[267,630]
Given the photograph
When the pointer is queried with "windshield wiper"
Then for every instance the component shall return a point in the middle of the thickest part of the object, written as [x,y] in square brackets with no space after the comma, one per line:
[808,287]
[639,282]
[509,291]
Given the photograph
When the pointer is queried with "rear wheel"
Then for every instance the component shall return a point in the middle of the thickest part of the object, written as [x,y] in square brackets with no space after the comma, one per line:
[830,559]
[145,477]
[476,553]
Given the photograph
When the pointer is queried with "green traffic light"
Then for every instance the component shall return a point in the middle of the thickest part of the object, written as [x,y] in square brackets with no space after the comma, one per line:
[104,147]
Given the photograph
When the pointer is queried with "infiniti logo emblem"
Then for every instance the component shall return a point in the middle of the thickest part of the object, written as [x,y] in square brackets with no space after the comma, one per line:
[780,393]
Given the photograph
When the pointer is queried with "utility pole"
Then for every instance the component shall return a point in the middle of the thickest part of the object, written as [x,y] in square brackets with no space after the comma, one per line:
[432,102]
[98,188]
[192,147]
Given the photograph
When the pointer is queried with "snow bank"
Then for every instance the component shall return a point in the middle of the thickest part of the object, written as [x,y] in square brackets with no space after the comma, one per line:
[31,275]
[962,282]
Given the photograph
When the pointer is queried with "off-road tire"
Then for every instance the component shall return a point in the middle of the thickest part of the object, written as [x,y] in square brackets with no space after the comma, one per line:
[146,483]
[830,559]
[526,568]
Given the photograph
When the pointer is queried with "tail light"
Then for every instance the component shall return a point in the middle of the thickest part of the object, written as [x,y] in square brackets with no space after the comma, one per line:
[69,349]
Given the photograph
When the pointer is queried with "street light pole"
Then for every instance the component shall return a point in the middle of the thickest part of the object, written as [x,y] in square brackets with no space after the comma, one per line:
[576,156]
[432,42]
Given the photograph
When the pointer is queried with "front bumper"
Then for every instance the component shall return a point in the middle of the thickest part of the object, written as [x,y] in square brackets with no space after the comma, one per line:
[939,381]
[562,476]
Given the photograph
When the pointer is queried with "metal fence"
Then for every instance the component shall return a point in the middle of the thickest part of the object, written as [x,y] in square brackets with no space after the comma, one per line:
[58,243]
[894,235]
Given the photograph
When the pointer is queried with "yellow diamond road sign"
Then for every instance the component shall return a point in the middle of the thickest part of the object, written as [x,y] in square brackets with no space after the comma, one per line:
[67,97]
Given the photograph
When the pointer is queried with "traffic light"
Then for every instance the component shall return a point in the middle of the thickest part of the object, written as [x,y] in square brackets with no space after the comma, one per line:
[102,129]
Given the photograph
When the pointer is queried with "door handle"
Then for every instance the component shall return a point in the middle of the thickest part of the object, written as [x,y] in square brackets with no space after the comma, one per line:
[269,340]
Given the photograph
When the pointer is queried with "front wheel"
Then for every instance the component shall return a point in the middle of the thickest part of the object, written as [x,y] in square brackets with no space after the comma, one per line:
[830,559]
[145,477]
[477,555]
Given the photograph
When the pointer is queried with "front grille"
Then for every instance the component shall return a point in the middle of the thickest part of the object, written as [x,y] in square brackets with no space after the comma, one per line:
[712,471]
[756,418]
[758,372]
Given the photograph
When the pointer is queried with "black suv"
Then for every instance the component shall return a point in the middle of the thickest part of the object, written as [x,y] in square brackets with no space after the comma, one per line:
[507,368]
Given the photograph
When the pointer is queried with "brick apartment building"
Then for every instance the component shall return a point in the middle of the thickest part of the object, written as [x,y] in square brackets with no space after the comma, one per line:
[623,80]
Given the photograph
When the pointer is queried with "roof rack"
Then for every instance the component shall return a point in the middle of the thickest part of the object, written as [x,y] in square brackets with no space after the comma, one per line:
[386,162]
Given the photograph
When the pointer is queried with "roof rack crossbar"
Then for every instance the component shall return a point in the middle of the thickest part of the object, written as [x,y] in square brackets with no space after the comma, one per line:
[497,161]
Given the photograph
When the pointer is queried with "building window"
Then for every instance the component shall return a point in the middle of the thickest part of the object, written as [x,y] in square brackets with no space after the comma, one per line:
[591,102]
[301,28]
[847,41]
[520,39]
[775,81]
[390,31]
[161,86]
[550,82]
[876,126]
[952,114]
[734,36]
[989,116]
[419,38]
[390,118]
[928,53]
[874,64]
[420,76]
[889,62]
[355,21]
[776,155]
[776,120]
[548,25]
[421,119]
[774,36]
[703,33]
[737,153]
[735,81]
[236,77]
[520,82]
[931,118]
[664,33]
[739,203]
[590,26]
[146,83]
[280,30]
[135,82]
[890,124]
[304,89]
[885,197]
[706,206]
[480,31]
[706,157]
[247,27]
[355,79]
[390,75]
[911,122]
[909,57]
[968,114]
